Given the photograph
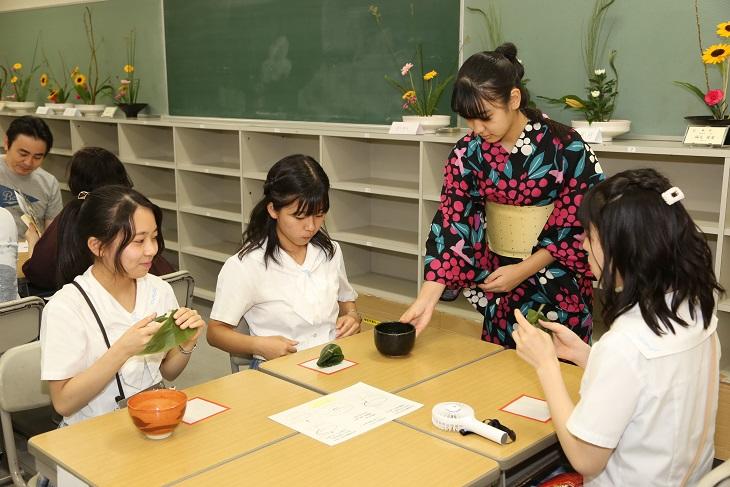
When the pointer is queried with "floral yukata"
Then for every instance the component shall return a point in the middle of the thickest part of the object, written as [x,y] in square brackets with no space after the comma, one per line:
[540,170]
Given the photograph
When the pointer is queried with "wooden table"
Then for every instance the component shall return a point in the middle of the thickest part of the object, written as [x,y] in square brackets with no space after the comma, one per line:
[436,352]
[109,450]
[487,385]
[392,454]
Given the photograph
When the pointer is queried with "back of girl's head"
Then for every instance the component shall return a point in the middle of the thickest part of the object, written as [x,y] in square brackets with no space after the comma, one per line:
[296,178]
[490,76]
[655,247]
[93,167]
[107,214]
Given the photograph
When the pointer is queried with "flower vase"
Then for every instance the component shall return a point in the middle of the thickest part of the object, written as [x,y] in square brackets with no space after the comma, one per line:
[429,123]
[58,108]
[131,110]
[609,129]
[706,120]
[90,110]
[21,106]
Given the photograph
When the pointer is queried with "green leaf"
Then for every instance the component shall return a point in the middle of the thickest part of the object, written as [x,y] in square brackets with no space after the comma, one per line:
[691,88]
[330,355]
[168,336]
[533,316]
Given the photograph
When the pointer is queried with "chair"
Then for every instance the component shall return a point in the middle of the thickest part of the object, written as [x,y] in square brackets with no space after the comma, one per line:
[183,285]
[21,389]
[717,477]
[20,321]
[241,361]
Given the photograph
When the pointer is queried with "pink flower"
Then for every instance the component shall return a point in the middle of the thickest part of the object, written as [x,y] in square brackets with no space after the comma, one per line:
[406,67]
[713,97]
[405,106]
[124,81]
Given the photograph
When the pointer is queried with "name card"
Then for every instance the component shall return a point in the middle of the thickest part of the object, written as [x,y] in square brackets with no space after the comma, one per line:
[408,128]
[701,135]
[109,112]
[42,111]
[71,112]
[592,135]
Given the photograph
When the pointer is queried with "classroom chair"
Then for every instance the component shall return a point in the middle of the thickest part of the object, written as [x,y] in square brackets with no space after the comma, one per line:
[20,321]
[183,284]
[21,389]
[717,477]
[239,362]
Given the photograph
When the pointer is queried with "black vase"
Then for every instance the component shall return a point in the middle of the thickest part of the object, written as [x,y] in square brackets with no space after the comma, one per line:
[131,109]
[707,120]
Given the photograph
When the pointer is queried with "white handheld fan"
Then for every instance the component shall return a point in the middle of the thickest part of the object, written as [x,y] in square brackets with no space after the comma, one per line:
[455,416]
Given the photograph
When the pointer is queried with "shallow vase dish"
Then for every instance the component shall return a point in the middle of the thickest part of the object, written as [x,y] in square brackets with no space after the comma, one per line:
[21,106]
[609,130]
[429,124]
[91,110]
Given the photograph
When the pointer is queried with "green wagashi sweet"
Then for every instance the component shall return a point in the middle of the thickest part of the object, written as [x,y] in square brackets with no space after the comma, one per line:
[330,355]
[533,317]
[168,336]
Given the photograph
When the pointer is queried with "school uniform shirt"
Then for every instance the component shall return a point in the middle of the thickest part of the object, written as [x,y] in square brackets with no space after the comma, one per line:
[71,340]
[645,396]
[296,301]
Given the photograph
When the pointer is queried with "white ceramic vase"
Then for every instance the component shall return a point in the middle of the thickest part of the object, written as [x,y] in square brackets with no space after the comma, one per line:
[20,106]
[430,123]
[58,108]
[609,129]
[91,110]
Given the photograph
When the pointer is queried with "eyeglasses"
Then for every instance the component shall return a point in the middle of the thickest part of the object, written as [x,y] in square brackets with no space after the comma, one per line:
[495,424]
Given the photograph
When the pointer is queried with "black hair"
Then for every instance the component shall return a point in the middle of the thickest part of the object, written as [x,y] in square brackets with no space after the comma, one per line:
[105,213]
[653,246]
[93,167]
[32,127]
[490,76]
[297,178]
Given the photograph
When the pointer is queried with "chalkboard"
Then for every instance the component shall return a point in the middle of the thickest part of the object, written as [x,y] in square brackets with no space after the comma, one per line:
[315,60]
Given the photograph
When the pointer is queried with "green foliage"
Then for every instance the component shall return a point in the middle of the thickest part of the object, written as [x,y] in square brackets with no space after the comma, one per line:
[168,336]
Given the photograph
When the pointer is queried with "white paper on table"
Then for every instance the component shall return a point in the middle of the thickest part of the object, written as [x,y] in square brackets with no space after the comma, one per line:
[344,414]
[64,478]
[198,409]
[529,407]
[312,364]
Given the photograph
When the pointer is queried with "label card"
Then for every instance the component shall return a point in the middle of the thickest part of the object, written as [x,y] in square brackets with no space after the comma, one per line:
[591,135]
[706,135]
[109,112]
[199,409]
[312,364]
[529,407]
[71,112]
[409,128]
[42,110]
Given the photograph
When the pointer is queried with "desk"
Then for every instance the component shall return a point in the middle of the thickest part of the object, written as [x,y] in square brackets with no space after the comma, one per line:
[487,385]
[392,454]
[109,450]
[436,351]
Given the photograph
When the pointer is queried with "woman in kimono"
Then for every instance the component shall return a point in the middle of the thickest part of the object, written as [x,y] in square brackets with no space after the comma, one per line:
[506,228]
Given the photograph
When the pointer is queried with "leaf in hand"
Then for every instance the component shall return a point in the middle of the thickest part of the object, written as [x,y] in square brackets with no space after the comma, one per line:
[168,336]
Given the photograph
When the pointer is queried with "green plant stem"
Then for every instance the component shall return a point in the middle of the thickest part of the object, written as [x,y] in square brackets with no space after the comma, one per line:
[699,43]
[492,24]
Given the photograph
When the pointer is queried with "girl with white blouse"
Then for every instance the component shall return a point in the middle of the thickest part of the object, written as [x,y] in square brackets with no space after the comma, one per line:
[648,399]
[288,280]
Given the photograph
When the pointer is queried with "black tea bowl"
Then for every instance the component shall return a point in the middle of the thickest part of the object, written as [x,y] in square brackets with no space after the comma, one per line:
[394,338]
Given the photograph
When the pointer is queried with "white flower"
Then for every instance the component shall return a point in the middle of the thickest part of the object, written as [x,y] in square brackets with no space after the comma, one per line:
[595,93]
[599,72]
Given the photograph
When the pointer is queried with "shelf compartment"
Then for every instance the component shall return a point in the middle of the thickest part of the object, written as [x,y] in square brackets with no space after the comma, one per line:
[208,151]
[253,191]
[259,151]
[209,237]
[385,167]
[374,221]
[58,166]
[147,145]
[389,275]
[61,130]
[433,156]
[204,271]
[95,134]
[428,210]
[155,183]
[210,195]
[173,257]
[169,229]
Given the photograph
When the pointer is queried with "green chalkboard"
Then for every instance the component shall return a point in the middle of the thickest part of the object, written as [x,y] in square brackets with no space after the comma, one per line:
[315,60]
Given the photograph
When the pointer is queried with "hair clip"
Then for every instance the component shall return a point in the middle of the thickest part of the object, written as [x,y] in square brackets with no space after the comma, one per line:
[672,195]
[82,195]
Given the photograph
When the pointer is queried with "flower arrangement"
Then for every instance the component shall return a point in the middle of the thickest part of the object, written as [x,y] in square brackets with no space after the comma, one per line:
[129,85]
[420,94]
[21,81]
[3,80]
[717,55]
[58,91]
[88,88]
[600,102]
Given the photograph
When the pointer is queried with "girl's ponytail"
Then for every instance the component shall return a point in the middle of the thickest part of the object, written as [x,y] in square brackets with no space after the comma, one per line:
[74,256]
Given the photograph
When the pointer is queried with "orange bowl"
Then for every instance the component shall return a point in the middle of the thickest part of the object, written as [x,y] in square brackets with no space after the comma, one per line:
[158,412]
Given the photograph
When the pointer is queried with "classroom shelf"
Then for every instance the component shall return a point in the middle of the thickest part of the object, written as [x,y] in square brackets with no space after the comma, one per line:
[253,191]
[210,195]
[211,238]
[260,150]
[433,160]
[95,134]
[146,145]
[390,275]
[205,272]
[155,183]
[208,151]
[57,165]
[61,130]
[169,229]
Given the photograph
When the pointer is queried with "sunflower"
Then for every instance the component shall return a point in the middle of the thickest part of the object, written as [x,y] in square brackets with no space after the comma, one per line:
[128,68]
[723,30]
[44,80]
[14,79]
[79,79]
[716,54]
[430,75]
[17,66]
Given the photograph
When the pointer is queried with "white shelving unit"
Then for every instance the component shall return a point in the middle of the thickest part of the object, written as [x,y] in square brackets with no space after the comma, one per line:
[208,174]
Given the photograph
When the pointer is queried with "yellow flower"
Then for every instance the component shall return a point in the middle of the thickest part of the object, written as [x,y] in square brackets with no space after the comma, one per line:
[14,79]
[17,66]
[430,75]
[409,94]
[723,30]
[52,95]
[716,54]
[80,80]
[74,71]
[573,103]
[128,68]
[44,80]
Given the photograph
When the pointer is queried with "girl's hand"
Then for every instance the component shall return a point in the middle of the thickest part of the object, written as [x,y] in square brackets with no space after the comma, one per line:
[275,346]
[503,279]
[189,318]
[534,346]
[136,337]
[347,324]
[568,345]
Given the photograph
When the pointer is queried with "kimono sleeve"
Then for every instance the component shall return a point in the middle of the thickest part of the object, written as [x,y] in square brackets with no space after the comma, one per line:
[455,249]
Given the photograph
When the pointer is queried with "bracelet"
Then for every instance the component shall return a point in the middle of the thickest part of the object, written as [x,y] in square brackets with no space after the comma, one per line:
[187,352]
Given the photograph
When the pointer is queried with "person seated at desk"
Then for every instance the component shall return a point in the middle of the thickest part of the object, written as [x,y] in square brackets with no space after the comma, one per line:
[27,142]
[8,257]
[288,280]
[90,168]
[648,399]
